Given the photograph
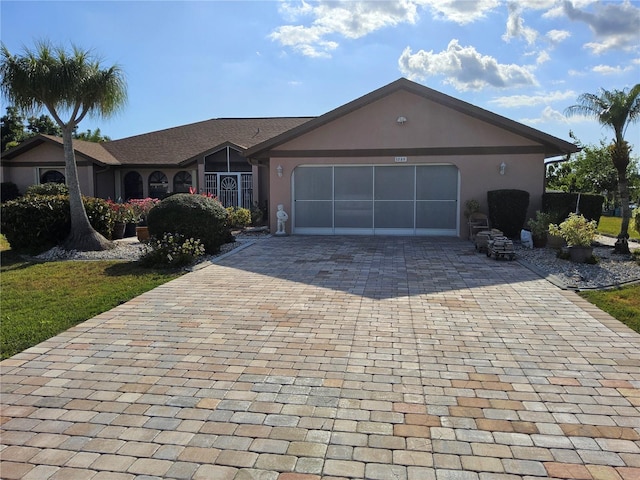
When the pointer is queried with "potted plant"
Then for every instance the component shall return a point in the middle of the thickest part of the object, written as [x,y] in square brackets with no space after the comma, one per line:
[579,233]
[539,227]
[141,208]
[122,213]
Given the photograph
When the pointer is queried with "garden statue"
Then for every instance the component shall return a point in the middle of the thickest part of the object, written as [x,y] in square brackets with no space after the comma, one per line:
[282,219]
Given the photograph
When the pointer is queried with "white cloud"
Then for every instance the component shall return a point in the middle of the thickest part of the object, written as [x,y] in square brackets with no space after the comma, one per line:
[609,70]
[331,20]
[616,26]
[465,68]
[548,115]
[514,101]
[557,36]
[460,11]
[317,27]
[515,26]
[542,58]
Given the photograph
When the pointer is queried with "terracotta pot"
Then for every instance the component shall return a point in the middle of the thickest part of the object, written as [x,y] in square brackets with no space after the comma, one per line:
[142,233]
[580,254]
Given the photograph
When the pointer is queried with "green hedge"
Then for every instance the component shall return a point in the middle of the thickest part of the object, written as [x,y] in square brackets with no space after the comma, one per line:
[35,223]
[560,204]
[508,210]
[191,216]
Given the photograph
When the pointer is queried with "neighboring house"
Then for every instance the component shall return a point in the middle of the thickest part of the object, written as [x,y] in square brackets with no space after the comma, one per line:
[402,159]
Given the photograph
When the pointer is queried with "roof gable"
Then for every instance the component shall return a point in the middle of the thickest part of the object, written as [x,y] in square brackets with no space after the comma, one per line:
[483,120]
[94,151]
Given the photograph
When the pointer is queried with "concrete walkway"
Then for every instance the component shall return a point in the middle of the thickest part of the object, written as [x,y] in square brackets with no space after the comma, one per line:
[306,358]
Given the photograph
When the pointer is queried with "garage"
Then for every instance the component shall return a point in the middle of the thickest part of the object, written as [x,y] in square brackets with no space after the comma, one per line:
[375,199]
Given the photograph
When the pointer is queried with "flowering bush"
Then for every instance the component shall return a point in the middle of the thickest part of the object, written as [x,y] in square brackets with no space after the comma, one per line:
[172,249]
[576,230]
[141,208]
[122,212]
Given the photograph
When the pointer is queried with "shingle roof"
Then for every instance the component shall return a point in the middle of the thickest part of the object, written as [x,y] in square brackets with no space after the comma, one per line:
[182,144]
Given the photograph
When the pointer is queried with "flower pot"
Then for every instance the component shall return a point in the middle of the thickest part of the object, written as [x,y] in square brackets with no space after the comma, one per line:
[118,230]
[130,230]
[555,242]
[539,241]
[580,254]
[142,233]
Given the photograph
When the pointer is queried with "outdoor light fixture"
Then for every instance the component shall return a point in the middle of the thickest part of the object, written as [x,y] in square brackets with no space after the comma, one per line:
[401,120]
[279,170]
[503,168]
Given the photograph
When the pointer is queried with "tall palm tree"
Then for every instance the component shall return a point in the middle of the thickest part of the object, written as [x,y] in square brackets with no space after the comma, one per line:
[70,85]
[615,109]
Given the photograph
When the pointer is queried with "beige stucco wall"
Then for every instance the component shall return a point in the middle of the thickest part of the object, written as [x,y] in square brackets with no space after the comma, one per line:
[428,125]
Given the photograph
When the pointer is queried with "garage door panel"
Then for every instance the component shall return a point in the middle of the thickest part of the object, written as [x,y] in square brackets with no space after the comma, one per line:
[394,183]
[437,182]
[314,183]
[393,214]
[353,183]
[436,215]
[318,214]
[353,214]
[372,199]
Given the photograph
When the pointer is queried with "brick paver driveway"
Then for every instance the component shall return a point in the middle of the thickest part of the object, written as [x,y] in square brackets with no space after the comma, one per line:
[308,358]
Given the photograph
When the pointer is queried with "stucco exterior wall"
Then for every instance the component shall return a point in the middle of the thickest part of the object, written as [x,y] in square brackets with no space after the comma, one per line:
[428,124]
[374,129]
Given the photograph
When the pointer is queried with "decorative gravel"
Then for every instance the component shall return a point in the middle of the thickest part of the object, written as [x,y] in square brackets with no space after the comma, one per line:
[610,270]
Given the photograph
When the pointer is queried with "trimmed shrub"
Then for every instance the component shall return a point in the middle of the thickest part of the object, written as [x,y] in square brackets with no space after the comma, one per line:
[193,216]
[48,189]
[172,250]
[35,223]
[508,210]
[561,204]
[9,191]
[238,217]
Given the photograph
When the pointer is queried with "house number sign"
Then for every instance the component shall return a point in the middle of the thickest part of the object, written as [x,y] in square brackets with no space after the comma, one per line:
[400,159]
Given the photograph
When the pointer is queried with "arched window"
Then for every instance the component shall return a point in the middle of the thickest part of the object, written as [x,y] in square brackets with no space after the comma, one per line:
[52,176]
[182,182]
[133,186]
[158,185]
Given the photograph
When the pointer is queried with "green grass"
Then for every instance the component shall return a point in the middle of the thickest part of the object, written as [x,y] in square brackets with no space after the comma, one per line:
[4,245]
[611,226]
[40,300]
[621,303]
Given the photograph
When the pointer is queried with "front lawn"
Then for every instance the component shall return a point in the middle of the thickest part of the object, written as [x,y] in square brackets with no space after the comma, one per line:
[621,303]
[40,300]
[611,226]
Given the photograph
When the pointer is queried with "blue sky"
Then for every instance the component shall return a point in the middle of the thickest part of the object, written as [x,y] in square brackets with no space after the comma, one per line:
[187,61]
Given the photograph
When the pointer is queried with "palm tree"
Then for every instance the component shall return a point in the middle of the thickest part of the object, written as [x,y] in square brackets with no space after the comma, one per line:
[70,85]
[616,109]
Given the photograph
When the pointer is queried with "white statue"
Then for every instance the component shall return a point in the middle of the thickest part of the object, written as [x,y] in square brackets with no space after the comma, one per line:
[282,219]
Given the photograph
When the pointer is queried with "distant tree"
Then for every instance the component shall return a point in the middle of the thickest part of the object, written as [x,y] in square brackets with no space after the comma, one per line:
[92,136]
[12,127]
[70,85]
[615,109]
[44,125]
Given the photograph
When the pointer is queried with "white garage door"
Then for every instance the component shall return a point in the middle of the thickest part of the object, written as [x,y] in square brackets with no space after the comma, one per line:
[376,200]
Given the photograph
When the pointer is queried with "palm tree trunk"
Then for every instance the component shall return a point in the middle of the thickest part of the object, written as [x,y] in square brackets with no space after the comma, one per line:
[622,244]
[82,236]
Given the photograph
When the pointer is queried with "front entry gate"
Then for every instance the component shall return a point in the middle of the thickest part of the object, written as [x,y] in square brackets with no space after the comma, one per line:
[232,189]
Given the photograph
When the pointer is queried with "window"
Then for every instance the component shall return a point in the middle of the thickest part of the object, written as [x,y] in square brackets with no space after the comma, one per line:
[226,160]
[182,182]
[132,185]
[158,185]
[52,176]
